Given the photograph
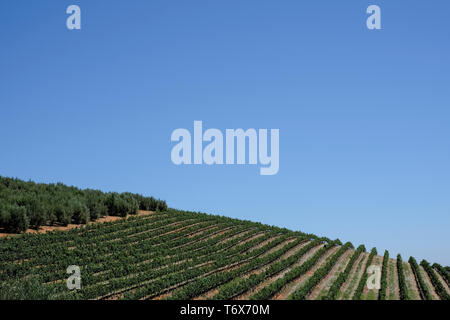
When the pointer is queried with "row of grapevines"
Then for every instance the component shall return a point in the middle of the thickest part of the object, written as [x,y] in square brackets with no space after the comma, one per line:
[122,280]
[66,261]
[362,282]
[123,261]
[160,259]
[423,288]
[334,290]
[149,274]
[81,255]
[443,272]
[159,286]
[239,286]
[304,290]
[270,290]
[23,247]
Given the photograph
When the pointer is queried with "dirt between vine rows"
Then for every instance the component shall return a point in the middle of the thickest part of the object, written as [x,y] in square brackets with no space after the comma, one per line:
[45,229]
[411,284]
[211,293]
[393,289]
[276,248]
[355,275]
[352,271]
[327,281]
[118,294]
[298,282]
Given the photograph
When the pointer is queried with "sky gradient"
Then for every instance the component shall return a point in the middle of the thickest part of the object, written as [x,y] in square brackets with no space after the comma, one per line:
[364,116]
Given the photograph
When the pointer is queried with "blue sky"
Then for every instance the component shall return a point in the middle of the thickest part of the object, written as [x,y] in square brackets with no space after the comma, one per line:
[364,116]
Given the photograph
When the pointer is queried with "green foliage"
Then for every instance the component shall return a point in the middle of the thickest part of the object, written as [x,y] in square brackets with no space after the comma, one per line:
[440,290]
[304,290]
[116,205]
[343,276]
[401,279]
[185,254]
[150,203]
[28,204]
[30,289]
[62,214]
[121,204]
[238,286]
[382,294]
[444,272]
[13,218]
[423,288]
[270,290]
[80,212]
[95,201]
[362,282]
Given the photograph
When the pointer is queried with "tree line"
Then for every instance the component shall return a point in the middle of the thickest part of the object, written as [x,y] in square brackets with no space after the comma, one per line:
[29,204]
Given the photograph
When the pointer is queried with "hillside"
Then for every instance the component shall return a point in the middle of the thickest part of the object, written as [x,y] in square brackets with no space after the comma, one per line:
[172,254]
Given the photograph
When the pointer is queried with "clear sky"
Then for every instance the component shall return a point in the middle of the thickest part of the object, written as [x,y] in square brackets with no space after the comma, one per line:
[364,116]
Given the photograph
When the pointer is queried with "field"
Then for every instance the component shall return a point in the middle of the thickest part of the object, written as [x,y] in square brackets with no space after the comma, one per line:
[174,254]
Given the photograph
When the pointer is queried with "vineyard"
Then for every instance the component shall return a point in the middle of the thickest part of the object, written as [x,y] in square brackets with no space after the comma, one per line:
[172,254]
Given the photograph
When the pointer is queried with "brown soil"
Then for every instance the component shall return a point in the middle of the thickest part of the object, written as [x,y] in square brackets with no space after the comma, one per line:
[45,229]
